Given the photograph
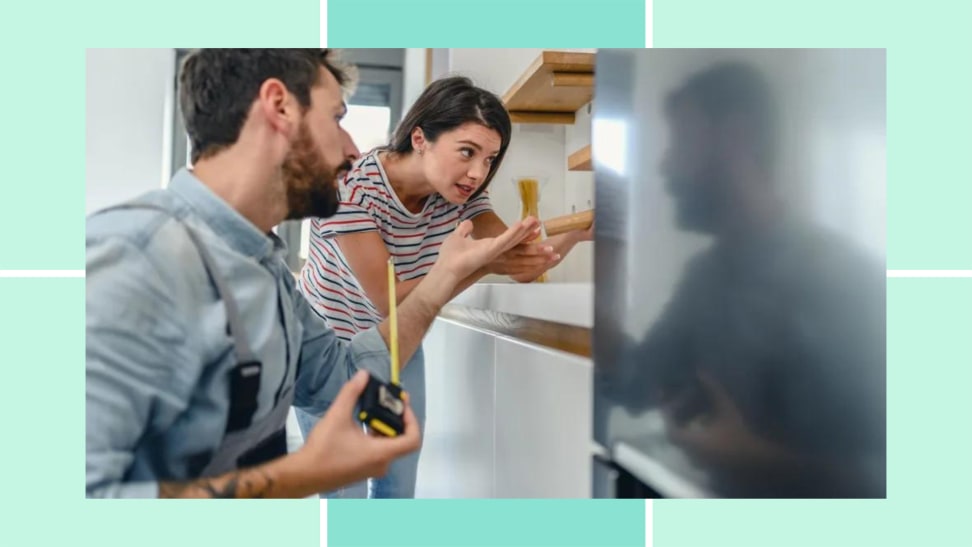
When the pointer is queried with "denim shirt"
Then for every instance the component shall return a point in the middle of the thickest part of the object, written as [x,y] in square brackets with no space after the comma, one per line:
[158,348]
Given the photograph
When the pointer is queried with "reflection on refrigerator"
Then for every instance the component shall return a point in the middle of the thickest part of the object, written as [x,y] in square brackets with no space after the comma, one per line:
[739,339]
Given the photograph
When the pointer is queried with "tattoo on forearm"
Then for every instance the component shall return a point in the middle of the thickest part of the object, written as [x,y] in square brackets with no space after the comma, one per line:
[227,490]
[250,484]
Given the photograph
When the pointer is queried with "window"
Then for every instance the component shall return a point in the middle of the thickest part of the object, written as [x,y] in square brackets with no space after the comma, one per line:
[368,126]
[373,111]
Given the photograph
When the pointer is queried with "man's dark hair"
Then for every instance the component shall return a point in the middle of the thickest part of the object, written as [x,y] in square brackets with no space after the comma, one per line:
[218,86]
[734,89]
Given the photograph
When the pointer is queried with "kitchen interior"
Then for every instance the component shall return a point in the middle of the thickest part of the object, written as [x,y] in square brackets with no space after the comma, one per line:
[525,382]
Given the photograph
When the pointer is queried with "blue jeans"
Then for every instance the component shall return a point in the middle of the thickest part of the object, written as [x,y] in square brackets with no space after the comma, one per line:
[399,482]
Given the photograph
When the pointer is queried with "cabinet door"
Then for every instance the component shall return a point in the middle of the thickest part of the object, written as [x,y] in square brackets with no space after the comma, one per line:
[543,423]
[457,454]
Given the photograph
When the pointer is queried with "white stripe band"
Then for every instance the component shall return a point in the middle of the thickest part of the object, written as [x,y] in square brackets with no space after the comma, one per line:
[930,273]
[41,273]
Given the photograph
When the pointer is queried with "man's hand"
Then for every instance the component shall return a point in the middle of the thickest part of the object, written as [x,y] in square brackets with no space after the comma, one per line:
[722,436]
[338,452]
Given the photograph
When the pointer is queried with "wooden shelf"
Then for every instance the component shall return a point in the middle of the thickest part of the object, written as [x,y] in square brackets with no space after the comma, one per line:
[542,117]
[552,89]
[580,160]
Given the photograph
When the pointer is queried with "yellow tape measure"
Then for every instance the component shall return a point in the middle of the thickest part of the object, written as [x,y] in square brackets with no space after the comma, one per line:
[382,405]
[393,319]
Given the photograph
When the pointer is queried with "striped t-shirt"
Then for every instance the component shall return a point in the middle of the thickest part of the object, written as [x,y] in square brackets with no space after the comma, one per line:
[369,204]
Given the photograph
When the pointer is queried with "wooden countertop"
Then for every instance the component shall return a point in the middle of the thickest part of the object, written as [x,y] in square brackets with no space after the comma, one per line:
[558,336]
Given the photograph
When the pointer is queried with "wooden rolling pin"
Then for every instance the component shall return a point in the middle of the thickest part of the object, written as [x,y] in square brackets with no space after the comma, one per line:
[566,223]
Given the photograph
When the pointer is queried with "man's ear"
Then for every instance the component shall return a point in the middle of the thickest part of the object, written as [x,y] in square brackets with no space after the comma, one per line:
[737,141]
[279,106]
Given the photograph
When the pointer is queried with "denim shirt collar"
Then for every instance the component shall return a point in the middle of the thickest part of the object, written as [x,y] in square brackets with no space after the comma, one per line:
[226,221]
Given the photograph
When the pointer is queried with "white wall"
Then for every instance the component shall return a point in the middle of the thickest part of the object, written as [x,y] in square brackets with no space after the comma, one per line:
[440,62]
[413,77]
[579,196]
[495,69]
[126,125]
[536,149]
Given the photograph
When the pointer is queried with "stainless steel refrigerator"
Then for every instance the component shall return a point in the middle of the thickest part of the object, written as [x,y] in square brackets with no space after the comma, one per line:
[739,338]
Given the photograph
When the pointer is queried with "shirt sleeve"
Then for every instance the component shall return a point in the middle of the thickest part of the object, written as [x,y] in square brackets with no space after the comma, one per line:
[132,339]
[327,362]
[360,210]
[476,207]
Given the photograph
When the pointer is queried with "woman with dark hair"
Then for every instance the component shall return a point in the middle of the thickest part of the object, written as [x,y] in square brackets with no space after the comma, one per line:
[402,201]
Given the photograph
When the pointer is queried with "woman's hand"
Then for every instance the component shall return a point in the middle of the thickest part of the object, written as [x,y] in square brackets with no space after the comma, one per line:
[461,255]
[523,262]
[588,234]
[528,261]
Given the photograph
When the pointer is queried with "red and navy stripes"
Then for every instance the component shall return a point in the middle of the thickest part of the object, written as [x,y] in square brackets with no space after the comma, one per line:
[368,204]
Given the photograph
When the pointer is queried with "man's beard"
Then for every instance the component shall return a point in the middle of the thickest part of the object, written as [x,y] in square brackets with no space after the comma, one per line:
[310,183]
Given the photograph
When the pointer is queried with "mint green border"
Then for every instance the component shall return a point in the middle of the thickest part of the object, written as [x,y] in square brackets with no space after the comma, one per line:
[929,192]
[42,205]
[928,227]
[550,24]
[929,448]
[42,320]
[486,523]
[43,458]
